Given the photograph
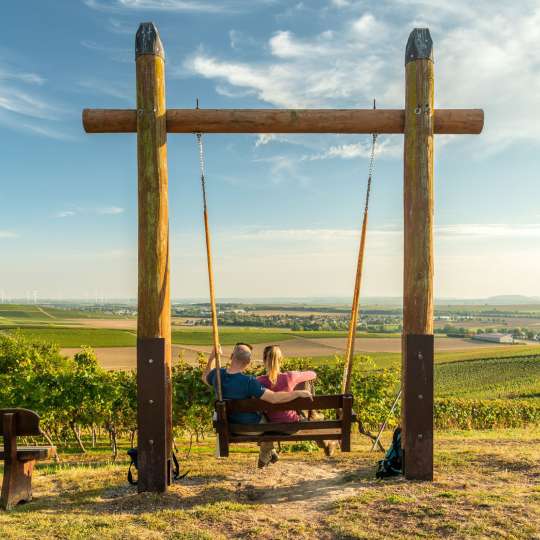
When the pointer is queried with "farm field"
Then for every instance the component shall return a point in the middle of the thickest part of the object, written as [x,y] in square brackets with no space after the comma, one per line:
[486,486]
[501,378]
[112,357]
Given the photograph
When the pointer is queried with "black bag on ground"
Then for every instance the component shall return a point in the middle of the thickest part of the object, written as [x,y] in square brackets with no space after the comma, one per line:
[133,454]
[392,464]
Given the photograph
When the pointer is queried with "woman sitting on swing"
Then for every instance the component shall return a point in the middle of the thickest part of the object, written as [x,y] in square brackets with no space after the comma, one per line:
[287,381]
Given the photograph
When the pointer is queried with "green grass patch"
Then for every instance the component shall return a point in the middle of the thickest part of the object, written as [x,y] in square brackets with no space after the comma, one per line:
[227,336]
[78,337]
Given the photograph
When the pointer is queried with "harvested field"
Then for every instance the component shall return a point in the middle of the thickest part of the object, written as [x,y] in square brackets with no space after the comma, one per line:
[116,324]
[125,357]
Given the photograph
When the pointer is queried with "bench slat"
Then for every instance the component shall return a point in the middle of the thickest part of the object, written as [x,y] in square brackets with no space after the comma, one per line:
[287,427]
[27,453]
[305,435]
[303,404]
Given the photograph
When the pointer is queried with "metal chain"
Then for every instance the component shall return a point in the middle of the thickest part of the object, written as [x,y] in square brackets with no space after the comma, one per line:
[201,163]
[370,170]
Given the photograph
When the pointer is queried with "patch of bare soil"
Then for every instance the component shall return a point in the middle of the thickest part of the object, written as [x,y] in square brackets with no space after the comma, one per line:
[309,486]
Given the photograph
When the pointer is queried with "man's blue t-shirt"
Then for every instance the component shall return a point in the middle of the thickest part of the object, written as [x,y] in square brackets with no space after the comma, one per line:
[239,386]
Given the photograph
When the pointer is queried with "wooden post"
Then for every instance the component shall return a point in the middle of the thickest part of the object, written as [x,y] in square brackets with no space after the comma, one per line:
[417,347]
[154,307]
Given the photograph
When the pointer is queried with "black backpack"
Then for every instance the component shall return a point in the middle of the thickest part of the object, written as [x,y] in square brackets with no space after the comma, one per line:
[392,464]
[132,453]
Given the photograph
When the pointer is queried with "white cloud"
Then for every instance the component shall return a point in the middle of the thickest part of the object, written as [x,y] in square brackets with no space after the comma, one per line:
[45,131]
[101,211]
[284,45]
[348,65]
[20,102]
[18,98]
[460,232]
[65,213]
[296,234]
[124,56]
[367,26]
[493,231]
[8,234]
[195,6]
[385,147]
[121,92]
[110,210]
[284,168]
[29,78]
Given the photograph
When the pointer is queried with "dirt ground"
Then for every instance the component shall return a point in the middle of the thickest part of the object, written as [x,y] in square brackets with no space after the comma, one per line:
[125,357]
[486,486]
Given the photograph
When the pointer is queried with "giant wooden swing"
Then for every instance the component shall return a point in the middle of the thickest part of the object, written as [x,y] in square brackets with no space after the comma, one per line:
[419,121]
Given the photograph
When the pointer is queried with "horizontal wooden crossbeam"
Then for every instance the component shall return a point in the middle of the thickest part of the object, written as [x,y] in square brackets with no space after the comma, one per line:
[449,121]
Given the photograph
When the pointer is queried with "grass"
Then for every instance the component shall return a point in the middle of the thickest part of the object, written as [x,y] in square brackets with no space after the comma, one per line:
[78,337]
[13,313]
[485,487]
[228,336]
[504,378]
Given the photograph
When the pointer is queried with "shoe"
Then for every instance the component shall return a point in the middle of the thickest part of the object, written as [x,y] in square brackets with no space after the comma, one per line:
[329,448]
[274,458]
[261,464]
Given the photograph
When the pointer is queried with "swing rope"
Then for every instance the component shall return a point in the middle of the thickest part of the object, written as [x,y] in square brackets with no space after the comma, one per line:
[215,331]
[349,355]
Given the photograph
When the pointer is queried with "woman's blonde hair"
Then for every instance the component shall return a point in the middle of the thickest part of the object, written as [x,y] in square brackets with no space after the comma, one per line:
[272,357]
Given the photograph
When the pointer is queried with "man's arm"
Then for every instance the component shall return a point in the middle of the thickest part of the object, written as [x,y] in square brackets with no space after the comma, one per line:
[209,366]
[284,397]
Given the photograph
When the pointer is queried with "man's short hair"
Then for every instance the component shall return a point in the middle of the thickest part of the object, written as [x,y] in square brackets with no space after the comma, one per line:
[242,353]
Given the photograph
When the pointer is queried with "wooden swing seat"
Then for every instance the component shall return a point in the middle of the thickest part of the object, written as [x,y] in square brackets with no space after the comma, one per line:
[337,430]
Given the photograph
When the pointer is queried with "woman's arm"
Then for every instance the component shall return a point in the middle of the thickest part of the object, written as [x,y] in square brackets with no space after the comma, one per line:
[297,377]
[284,397]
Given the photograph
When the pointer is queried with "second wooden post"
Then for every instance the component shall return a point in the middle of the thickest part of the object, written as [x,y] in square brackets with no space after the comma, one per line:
[417,346]
[154,305]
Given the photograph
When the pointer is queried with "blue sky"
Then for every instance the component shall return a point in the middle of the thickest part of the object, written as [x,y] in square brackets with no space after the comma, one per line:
[285,210]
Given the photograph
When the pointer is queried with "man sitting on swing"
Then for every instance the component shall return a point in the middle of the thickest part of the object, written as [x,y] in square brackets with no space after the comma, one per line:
[237,385]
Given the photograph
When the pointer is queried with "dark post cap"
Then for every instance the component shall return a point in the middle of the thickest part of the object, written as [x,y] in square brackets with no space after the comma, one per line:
[147,41]
[419,45]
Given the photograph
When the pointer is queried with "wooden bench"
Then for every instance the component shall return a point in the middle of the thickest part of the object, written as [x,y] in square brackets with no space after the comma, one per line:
[19,460]
[339,429]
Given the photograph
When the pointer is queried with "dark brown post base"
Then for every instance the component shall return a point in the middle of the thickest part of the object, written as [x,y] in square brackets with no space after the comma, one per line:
[417,414]
[154,466]
[17,484]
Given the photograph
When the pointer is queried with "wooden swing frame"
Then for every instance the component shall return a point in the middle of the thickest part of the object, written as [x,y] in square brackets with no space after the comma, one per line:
[151,120]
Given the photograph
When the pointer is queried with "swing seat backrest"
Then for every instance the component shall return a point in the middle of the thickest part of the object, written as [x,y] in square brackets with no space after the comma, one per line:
[339,429]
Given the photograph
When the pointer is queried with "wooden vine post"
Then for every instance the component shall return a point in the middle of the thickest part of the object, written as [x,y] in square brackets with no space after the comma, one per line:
[417,354]
[154,305]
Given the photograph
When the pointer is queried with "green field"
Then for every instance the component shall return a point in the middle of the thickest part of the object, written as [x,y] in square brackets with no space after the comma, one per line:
[23,314]
[229,336]
[77,337]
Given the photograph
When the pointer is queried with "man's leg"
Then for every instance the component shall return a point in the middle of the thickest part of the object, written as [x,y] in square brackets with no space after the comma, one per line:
[265,453]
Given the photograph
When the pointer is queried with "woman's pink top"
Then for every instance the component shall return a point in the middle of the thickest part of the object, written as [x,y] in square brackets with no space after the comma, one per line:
[286,382]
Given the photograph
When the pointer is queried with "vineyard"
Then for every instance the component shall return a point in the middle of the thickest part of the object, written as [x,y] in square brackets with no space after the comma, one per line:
[79,401]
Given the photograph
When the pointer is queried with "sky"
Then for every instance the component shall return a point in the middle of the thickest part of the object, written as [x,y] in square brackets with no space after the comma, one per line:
[285,211]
